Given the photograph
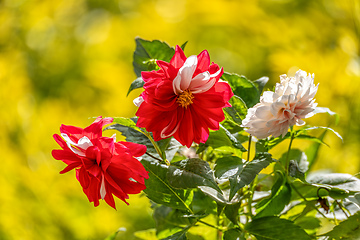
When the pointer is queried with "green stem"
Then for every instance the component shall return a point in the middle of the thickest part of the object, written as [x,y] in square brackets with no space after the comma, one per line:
[148,135]
[251,187]
[160,160]
[297,191]
[249,146]
[212,226]
[288,153]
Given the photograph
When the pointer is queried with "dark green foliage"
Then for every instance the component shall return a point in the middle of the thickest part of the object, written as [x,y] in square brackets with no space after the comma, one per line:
[147,52]
[270,228]
[248,172]
[160,191]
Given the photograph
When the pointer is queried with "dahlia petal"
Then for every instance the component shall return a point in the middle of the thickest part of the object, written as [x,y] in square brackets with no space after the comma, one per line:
[83,144]
[209,100]
[83,177]
[130,165]
[70,167]
[102,188]
[116,188]
[263,112]
[136,150]
[65,156]
[214,68]
[165,67]
[71,130]
[203,62]
[186,133]
[94,130]
[224,87]
[152,78]
[216,114]
[60,141]
[199,80]
[109,199]
[185,74]
[179,58]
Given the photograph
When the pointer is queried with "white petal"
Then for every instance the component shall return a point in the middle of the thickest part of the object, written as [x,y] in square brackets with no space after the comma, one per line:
[83,143]
[199,80]
[138,101]
[102,188]
[182,80]
[162,134]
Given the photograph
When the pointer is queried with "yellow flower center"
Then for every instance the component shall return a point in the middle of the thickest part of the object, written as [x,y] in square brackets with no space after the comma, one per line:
[185,98]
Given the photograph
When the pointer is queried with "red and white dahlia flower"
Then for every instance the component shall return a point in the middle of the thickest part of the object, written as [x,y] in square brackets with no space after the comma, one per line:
[292,101]
[183,99]
[103,166]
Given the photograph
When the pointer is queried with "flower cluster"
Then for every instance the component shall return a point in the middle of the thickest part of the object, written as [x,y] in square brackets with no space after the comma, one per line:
[292,101]
[103,166]
[183,99]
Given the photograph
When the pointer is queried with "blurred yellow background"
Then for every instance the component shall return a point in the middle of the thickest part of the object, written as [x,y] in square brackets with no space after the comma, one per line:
[67,61]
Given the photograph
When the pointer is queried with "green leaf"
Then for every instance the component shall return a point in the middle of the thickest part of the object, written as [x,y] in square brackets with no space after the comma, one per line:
[243,88]
[311,138]
[328,111]
[260,83]
[135,136]
[265,145]
[326,128]
[113,236]
[127,122]
[147,52]
[184,45]
[178,236]
[221,138]
[160,191]
[214,194]
[203,204]
[275,228]
[276,202]
[308,222]
[232,212]
[132,133]
[238,109]
[336,185]
[348,229]
[233,234]
[313,150]
[341,181]
[137,83]
[298,163]
[247,174]
[355,199]
[228,166]
[169,221]
[191,173]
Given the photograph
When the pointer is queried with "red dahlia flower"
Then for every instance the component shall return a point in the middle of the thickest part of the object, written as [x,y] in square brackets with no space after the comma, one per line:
[183,99]
[103,166]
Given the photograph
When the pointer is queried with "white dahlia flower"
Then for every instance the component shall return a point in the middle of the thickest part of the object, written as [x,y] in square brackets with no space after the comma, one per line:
[292,101]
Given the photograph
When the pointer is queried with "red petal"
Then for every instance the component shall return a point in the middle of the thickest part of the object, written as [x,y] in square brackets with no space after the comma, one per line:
[136,150]
[65,156]
[209,99]
[83,177]
[75,133]
[70,167]
[225,88]
[60,141]
[94,130]
[178,59]
[185,131]
[203,62]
